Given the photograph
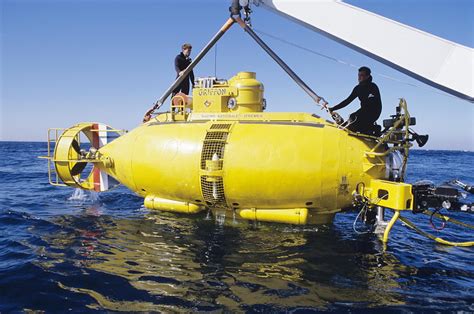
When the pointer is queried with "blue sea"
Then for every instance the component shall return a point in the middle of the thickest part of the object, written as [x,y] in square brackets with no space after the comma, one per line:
[66,250]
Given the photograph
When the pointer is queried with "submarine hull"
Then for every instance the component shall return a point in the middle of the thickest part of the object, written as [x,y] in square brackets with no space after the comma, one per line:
[244,164]
[219,150]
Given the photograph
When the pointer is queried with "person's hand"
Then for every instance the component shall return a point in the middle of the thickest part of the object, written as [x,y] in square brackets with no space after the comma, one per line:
[181,73]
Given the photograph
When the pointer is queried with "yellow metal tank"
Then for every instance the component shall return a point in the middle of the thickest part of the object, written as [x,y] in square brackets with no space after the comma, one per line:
[226,153]
[241,93]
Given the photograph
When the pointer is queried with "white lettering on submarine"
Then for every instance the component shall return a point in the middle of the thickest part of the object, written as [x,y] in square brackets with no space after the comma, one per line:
[212,92]
[230,115]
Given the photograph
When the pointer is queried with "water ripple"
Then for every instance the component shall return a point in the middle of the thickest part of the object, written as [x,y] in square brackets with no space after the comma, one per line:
[62,250]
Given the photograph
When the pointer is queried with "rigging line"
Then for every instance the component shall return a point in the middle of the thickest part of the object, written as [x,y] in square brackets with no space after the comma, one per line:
[215,60]
[304,48]
[347,63]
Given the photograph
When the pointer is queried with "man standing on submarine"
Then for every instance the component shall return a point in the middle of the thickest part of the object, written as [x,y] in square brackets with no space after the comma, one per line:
[181,62]
[363,120]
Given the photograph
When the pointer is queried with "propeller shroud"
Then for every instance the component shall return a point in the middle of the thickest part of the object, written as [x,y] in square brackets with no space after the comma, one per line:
[77,158]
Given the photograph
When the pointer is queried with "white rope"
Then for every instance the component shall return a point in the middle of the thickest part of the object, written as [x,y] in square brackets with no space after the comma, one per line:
[355,222]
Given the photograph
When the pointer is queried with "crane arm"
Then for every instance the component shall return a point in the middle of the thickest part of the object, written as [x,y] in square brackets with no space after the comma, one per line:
[438,62]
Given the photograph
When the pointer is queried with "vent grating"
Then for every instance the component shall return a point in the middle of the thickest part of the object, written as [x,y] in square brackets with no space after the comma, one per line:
[220,126]
[212,188]
[208,192]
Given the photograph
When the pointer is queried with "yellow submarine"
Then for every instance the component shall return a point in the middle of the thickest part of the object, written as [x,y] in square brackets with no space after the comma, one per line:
[220,151]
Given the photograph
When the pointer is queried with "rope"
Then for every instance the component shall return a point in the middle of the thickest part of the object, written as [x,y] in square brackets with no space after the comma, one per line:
[347,63]
[357,218]
[443,223]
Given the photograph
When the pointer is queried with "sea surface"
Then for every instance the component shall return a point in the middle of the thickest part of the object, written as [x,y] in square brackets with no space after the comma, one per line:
[66,250]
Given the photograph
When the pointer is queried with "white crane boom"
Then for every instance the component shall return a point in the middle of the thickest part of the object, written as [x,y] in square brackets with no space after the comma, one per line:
[438,62]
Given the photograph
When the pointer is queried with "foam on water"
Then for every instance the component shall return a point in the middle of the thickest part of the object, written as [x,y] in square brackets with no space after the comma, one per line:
[84,196]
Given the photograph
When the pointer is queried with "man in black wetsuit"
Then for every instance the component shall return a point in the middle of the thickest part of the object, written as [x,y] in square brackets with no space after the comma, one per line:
[363,120]
[181,62]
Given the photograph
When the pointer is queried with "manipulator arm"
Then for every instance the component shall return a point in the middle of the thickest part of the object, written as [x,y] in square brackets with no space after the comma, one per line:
[427,195]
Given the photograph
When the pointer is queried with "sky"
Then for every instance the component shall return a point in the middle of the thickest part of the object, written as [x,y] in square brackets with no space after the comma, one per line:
[63,62]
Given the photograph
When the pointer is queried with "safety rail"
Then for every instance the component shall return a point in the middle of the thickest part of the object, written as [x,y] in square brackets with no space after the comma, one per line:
[179,106]
[57,132]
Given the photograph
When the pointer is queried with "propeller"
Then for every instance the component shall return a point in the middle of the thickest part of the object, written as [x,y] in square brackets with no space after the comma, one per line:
[75,145]
[77,160]
[78,166]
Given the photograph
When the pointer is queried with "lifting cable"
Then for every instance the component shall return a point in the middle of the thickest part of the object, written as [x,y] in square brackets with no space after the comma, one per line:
[215,60]
[316,98]
[345,62]
[235,18]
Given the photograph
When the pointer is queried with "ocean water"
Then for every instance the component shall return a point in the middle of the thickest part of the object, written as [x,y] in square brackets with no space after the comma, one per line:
[65,250]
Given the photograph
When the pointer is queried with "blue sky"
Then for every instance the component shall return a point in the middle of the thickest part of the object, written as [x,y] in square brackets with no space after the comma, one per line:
[68,61]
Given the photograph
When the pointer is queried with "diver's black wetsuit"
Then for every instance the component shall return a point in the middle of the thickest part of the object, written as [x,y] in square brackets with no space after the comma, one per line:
[181,62]
[370,106]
